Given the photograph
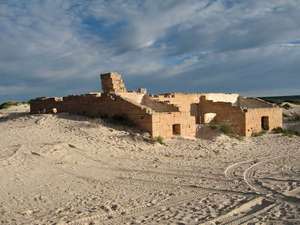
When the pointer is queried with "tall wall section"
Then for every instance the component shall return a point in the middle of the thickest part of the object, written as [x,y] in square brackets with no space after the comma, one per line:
[188,102]
[105,105]
[112,83]
[224,113]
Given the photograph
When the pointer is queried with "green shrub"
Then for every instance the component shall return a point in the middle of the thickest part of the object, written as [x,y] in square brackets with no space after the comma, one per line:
[226,129]
[277,130]
[213,126]
[258,134]
[222,127]
[158,139]
[285,132]
[8,104]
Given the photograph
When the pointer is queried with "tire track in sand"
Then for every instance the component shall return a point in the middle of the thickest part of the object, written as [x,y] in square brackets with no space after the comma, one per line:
[258,205]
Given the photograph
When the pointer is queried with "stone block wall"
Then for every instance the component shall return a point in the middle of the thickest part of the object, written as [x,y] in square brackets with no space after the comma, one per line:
[188,102]
[254,117]
[113,105]
[225,113]
[182,100]
[165,115]
[158,106]
[163,124]
[112,83]
[46,105]
[105,105]
[243,121]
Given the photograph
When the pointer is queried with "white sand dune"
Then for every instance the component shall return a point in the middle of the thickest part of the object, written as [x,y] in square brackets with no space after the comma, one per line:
[63,169]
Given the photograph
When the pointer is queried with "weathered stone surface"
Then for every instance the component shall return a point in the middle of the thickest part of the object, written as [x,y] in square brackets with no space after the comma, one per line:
[165,115]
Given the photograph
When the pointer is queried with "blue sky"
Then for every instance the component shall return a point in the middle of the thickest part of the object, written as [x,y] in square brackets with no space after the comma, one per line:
[59,47]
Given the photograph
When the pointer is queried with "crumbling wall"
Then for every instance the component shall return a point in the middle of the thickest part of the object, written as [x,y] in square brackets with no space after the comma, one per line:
[157,105]
[79,104]
[112,83]
[109,105]
[46,105]
[253,119]
[114,105]
[185,100]
[182,100]
[157,119]
[188,102]
[225,114]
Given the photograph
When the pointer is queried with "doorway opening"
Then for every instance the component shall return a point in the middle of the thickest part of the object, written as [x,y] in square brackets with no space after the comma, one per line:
[265,123]
[176,129]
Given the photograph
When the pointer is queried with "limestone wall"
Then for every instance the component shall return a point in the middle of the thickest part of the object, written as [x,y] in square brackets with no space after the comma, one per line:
[46,105]
[109,105]
[188,102]
[185,100]
[253,119]
[182,100]
[225,113]
[163,124]
[112,83]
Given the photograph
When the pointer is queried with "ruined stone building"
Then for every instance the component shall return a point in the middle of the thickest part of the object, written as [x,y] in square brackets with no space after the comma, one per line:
[169,114]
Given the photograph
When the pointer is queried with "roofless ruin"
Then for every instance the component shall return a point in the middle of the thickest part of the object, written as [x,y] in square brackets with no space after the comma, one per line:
[166,115]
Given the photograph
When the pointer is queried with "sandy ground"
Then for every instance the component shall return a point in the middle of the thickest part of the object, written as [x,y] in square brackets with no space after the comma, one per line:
[62,169]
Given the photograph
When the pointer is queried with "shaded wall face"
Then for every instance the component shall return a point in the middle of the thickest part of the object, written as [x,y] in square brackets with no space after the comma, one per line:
[188,102]
[225,113]
[46,106]
[111,106]
[104,106]
[167,125]
[254,119]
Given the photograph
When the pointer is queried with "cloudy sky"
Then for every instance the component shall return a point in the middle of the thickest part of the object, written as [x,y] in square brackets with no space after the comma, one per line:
[59,47]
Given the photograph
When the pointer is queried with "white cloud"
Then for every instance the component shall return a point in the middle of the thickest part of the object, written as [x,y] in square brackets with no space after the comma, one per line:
[209,41]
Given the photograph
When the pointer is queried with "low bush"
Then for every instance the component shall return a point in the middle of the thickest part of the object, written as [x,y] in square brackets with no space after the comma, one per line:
[159,140]
[225,128]
[285,132]
[222,127]
[277,130]
[8,104]
[258,134]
